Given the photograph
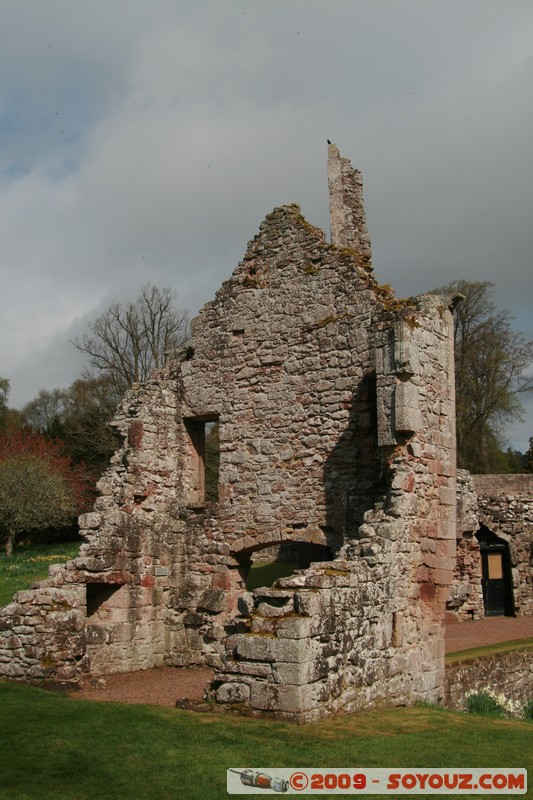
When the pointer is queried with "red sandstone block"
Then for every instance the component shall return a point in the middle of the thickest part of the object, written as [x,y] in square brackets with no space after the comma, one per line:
[443,577]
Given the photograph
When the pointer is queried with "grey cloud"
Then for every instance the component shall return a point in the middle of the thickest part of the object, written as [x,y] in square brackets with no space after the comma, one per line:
[188,122]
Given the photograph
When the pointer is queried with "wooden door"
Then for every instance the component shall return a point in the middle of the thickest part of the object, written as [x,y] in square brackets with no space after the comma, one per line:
[493,581]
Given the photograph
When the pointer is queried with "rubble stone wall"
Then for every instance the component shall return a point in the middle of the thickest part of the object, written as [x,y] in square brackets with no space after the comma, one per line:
[367,628]
[334,403]
[347,211]
[118,585]
[42,635]
[507,674]
[506,508]
[466,596]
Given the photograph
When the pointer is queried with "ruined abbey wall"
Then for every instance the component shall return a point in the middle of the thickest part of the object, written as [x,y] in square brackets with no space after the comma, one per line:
[335,409]
[502,504]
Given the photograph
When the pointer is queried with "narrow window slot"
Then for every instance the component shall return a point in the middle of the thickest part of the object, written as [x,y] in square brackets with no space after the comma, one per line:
[204,460]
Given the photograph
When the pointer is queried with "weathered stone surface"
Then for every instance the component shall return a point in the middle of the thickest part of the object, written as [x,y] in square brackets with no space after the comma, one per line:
[334,402]
[506,674]
[233,692]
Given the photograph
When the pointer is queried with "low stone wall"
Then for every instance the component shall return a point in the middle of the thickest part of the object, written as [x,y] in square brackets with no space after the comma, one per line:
[509,674]
[42,635]
[504,484]
[330,639]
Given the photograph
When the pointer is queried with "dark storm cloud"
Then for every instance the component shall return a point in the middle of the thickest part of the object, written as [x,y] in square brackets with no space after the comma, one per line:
[145,142]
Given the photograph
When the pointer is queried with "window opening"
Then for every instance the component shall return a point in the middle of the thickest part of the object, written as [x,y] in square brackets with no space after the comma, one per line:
[205,460]
[280,561]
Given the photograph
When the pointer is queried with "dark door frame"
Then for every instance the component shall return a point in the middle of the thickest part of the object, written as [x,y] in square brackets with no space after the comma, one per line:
[498,597]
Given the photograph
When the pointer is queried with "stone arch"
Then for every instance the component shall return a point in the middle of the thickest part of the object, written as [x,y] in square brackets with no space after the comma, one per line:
[301,548]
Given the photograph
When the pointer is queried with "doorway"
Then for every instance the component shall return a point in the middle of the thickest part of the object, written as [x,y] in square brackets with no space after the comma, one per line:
[496,576]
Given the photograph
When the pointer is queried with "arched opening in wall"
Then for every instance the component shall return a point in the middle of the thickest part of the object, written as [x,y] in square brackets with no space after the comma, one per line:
[496,575]
[262,567]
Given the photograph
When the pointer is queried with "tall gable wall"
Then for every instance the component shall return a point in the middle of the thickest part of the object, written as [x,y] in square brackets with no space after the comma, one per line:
[335,409]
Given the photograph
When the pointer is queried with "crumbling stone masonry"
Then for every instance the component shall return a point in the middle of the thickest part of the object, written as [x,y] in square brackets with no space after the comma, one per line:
[335,407]
[494,563]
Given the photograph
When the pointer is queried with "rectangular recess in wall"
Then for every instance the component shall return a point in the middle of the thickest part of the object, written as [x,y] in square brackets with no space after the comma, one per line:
[204,459]
[98,594]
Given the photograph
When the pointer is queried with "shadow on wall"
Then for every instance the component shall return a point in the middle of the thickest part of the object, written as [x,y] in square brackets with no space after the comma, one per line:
[352,473]
[351,485]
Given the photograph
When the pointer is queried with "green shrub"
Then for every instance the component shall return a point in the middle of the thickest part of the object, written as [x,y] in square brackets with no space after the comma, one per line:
[484,703]
[527,710]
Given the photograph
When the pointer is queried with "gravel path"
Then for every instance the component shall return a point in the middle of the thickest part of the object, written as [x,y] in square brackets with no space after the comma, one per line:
[156,687]
[162,687]
[491,630]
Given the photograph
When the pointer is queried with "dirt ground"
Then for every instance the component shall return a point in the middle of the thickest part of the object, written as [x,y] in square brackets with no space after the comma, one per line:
[162,687]
[156,687]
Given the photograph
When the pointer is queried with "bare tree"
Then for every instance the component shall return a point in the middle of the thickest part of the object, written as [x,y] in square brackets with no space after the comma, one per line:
[80,417]
[89,408]
[128,341]
[46,411]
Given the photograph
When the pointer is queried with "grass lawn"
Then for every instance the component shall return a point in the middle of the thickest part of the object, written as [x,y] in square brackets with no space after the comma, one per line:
[55,746]
[30,564]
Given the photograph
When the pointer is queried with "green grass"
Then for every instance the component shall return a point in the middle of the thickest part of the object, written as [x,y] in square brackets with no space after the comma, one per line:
[489,649]
[55,746]
[31,564]
[266,574]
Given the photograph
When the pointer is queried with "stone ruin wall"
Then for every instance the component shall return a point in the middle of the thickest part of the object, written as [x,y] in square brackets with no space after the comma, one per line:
[336,412]
[466,596]
[104,611]
[504,504]
[366,629]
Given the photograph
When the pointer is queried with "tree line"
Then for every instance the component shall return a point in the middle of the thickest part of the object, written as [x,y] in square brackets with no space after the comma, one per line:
[53,450]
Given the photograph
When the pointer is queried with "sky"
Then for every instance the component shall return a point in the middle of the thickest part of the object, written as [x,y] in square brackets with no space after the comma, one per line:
[144,141]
